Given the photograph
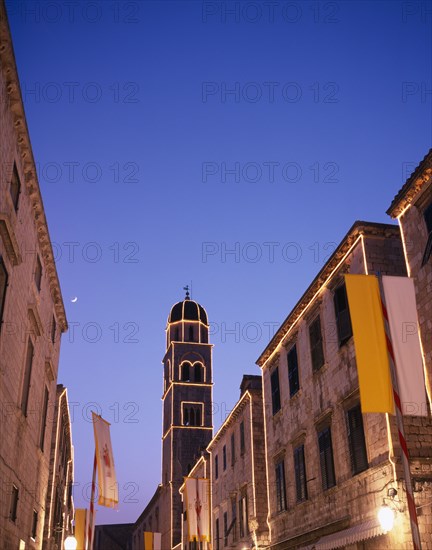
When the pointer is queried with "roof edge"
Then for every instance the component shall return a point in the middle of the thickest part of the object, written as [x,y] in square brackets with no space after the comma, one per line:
[358,228]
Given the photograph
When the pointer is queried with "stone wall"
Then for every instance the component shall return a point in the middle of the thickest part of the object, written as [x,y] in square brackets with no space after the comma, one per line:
[28,314]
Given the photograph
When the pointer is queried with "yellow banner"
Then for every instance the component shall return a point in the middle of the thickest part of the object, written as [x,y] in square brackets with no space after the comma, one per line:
[376,393]
[81,528]
[148,540]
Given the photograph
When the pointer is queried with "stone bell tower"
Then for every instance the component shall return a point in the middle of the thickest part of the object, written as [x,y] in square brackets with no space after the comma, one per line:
[187,403]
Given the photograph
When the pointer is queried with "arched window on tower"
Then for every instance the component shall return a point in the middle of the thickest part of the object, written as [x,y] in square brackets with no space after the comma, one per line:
[185,372]
[198,370]
[192,414]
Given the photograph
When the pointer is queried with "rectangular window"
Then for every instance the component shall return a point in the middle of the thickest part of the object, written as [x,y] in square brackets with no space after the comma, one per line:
[243,513]
[27,377]
[15,188]
[234,519]
[34,525]
[356,440]
[53,330]
[300,473]
[3,287]
[293,373]
[326,459]
[217,535]
[316,344]
[232,449]
[427,214]
[38,273]
[225,517]
[216,466]
[242,438]
[276,402]
[343,320]
[224,458]
[14,503]
[44,419]
[281,503]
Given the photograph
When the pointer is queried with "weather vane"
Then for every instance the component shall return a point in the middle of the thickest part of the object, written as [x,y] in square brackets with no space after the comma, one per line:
[187,291]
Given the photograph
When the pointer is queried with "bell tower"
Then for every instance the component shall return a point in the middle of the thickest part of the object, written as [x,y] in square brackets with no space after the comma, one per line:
[187,426]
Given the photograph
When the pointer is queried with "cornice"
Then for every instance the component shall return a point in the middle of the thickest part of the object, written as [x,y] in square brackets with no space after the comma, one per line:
[14,98]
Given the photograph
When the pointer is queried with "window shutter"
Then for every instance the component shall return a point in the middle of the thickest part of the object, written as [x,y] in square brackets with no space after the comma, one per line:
[342,315]
[357,443]
[316,343]
[293,374]
[326,459]
[275,390]
[300,474]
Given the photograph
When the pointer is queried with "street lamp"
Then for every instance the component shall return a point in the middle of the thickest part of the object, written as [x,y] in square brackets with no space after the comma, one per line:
[386,518]
[70,543]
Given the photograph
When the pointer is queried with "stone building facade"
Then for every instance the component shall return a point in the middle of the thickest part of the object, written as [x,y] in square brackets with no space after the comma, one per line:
[59,506]
[412,207]
[238,474]
[329,466]
[32,318]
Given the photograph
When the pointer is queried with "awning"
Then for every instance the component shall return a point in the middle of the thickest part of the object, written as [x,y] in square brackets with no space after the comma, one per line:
[357,533]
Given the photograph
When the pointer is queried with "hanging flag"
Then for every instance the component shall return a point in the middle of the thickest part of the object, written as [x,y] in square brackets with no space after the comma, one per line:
[402,317]
[376,392]
[152,541]
[197,493]
[81,528]
[107,480]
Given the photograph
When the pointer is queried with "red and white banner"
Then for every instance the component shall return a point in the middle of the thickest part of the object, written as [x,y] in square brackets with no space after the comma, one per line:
[402,318]
[107,480]
[197,494]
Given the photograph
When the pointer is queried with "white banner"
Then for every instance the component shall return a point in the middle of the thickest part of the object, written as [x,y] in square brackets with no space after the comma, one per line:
[402,312]
[107,480]
[197,494]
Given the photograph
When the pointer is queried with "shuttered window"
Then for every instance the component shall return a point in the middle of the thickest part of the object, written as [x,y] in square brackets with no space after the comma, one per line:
[276,402]
[232,449]
[427,214]
[14,503]
[293,372]
[356,440]
[3,287]
[242,438]
[216,466]
[343,320]
[15,188]
[217,535]
[316,344]
[281,503]
[243,513]
[44,419]
[224,457]
[300,473]
[225,519]
[27,377]
[38,273]
[326,459]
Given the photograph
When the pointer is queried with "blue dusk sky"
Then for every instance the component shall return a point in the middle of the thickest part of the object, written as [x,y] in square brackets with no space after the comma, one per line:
[224,145]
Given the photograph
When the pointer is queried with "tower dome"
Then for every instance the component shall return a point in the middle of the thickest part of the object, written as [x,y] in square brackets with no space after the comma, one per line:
[187,310]
[187,322]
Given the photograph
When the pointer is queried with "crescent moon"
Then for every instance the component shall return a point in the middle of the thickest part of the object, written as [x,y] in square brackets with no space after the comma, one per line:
[74,299]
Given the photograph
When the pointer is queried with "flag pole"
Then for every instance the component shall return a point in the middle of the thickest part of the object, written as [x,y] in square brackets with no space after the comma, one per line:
[92,499]
[399,420]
